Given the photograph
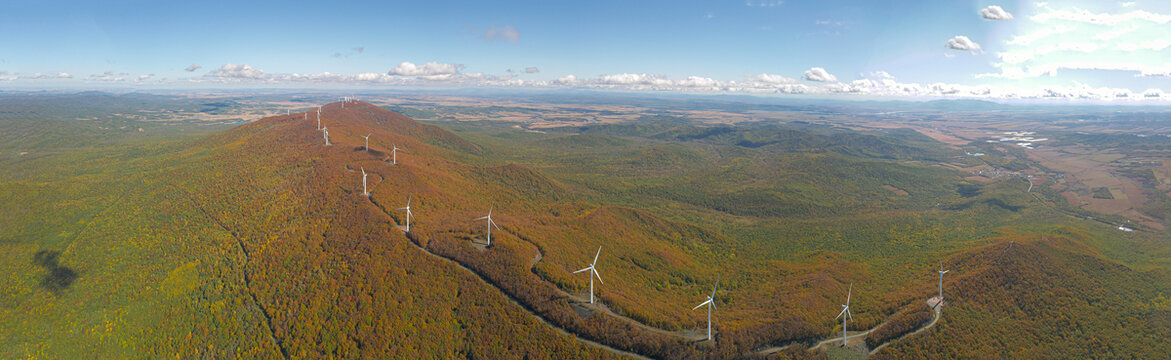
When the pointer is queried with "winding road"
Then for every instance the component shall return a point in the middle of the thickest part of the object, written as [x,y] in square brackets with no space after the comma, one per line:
[854,335]
[928,326]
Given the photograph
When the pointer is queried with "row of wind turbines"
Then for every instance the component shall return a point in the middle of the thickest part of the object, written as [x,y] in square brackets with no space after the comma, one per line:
[845,315]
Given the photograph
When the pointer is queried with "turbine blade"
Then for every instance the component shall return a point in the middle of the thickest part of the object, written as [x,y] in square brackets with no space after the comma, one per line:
[840,314]
[596,256]
[409,200]
[494,224]
[704,303]
[480,218]
[850,314]
[402,208]
[595,271]
[582,270]
[848,295]
[715,286]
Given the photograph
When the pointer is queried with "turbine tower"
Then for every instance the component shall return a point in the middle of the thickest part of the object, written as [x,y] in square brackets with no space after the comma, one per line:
[711,304]
[847,313]
[593,272]
[394,155]
[490,224]
[325,130]
[318,118]
[368,141]
[941,272]
[408,209]
[364,192]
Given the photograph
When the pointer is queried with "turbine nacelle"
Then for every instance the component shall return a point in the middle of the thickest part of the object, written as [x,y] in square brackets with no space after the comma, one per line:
[409,214]
[593,272]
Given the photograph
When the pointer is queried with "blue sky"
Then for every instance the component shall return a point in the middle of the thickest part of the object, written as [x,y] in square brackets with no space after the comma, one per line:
[1060,49]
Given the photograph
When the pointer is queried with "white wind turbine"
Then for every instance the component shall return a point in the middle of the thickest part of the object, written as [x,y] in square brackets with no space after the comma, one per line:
[368,141]
[711,304]
[409,214]
[364,192]
[848,314]
[394,155]
[318,118]
[490,224]
[325,131]
[593,272]
[941,272]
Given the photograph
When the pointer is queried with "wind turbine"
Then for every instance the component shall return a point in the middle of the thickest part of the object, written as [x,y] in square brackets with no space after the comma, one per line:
[490,224]
[408,209]
[318,118]
[325,130]
[711,304]
[593,272]
[364,192]
[368,141]
[941,272]
[394,155]
[847,313]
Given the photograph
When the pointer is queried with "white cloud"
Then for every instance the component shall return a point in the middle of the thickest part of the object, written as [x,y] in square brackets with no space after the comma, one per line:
[819,74]
[238,71]
[698,82]
[1117,32]
[1072,38]
[771,79]
[566,80]
[64,75]
[962,43]
[430,69]
[1128,4]
[1153,45]
[994,12]
[532,70]
[877,75]
[1041,33]
[108,76]
[764,3]
[192,68]
[1088,17]
[505,33]
[632,79]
